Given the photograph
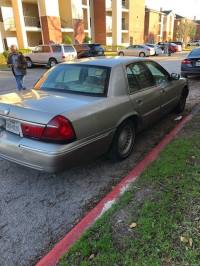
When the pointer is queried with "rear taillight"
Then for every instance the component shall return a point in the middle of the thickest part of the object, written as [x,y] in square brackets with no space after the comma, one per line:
[148,49]
[186,62]
[59,129]
[63,57]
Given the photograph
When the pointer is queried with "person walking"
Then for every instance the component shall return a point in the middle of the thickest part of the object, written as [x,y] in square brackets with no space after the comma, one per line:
[18,64]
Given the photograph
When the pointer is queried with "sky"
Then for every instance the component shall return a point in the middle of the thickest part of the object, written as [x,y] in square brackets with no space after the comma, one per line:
[186,8]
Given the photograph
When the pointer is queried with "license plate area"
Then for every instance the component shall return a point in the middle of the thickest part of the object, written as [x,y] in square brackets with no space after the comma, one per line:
[198,63]
[13,126]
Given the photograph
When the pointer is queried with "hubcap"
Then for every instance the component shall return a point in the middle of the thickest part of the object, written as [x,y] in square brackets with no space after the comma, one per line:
[126,139]
[53,63]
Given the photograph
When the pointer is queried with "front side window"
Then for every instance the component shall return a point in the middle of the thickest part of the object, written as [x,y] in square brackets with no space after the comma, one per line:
[76,78]
[142,75]
[160,75]
[56,48]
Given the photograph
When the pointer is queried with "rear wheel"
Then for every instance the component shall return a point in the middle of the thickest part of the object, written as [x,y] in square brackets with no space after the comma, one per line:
[123,141]
[52,62]
[142,54]
[29,62]
[181,104]
[121,54]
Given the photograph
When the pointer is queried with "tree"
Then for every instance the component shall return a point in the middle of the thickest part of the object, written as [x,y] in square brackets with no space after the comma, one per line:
[185,30]
[67,39]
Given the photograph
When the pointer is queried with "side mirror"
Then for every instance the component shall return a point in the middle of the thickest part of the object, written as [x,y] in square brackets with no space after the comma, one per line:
[175,76]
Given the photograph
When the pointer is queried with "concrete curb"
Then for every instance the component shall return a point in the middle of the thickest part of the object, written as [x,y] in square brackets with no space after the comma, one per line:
[52,258]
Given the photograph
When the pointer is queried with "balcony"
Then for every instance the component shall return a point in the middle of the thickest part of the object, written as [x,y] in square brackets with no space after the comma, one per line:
[9,24]
[32,21]
[124,26]
[125,5]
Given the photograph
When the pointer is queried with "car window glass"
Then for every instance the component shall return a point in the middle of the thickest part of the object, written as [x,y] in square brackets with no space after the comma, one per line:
[142,75]
[38,49]
[159,75]
[56,48]
[132,82]
[76,79]
[68,49]
[46,49]
[195,52]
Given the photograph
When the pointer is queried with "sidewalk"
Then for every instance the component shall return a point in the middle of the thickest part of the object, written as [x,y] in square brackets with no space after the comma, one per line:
[156,222]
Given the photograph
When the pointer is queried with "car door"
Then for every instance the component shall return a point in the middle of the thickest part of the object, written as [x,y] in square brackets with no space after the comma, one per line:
[45,54]
[35,56]
[131,50]
[169,95]
[144,94]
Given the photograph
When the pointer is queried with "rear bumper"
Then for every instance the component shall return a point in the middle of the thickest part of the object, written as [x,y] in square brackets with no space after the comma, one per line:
[49,157]
[190,71]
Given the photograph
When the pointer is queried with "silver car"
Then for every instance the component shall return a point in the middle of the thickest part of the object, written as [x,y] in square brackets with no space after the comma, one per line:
[137,50]
[84,109]
[51,55]
[158,50]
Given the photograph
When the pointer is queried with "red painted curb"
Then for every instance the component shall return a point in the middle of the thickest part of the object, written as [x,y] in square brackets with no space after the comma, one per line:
[52,258]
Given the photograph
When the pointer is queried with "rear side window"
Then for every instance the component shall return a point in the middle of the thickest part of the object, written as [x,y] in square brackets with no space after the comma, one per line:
[56,48]
[142,76]
[46,49]
[68,49]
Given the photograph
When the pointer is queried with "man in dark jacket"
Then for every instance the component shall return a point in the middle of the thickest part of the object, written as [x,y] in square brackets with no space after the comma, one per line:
[17,62]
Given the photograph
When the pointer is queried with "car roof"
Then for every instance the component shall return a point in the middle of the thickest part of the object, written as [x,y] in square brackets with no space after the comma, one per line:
[108,61]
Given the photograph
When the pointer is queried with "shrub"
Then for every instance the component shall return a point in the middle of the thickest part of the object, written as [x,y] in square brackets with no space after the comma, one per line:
[2,59]
[67,39]
[87,39]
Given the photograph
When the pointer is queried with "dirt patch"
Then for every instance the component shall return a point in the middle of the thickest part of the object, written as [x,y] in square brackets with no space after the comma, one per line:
[121,220]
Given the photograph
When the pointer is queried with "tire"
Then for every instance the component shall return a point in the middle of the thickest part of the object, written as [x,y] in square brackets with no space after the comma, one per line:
[184,75]
[121,54]
[181,104]
[123,141]
[52,62]
[29,62]
[142,54]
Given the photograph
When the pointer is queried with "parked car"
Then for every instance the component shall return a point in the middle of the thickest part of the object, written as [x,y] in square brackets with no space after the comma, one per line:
[194,43]
[137,50]
[158,50]
[89,50]
[173,48]
[50,55]
[178,43]
[85,109]
[191,64]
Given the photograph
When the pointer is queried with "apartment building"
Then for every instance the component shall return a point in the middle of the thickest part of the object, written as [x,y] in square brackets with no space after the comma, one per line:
[28,23]
[159,25]
[118,22]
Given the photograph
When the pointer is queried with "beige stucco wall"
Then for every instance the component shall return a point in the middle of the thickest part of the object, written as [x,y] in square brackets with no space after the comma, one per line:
[136,20]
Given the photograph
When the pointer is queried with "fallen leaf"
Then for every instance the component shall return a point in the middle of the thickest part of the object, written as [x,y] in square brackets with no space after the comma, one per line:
[91,257]
[190,242]
[133,225]
[184,239]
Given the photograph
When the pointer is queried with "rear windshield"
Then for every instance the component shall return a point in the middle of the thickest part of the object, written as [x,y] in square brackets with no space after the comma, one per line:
[195,52]
[68,49]
[76,78]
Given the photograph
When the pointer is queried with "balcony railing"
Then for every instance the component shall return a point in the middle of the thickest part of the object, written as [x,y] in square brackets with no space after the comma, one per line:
[66,23]
[32,21]
[9,24]
[124,26]
[125,4]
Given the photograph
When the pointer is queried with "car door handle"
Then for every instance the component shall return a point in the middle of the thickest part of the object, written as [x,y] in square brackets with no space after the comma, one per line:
[139,101]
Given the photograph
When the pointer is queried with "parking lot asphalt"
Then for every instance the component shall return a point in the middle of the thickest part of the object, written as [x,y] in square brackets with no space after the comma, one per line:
[37,209]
